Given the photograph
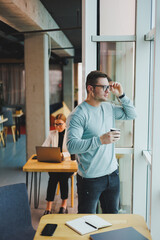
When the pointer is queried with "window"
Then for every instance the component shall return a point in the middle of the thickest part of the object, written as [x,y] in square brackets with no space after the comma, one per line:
[117,60]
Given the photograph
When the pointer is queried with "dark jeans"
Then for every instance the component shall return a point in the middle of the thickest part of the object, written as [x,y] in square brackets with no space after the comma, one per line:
[91,190]
[54,178]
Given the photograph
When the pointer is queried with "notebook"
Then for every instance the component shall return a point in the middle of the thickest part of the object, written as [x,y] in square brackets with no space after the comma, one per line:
[119,234]
[49,154]
[87,224]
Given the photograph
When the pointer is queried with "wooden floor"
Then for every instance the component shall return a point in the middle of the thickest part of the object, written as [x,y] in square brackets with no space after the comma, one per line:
[12,159]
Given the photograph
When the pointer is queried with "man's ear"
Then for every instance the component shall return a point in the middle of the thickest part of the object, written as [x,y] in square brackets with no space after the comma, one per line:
[90,88]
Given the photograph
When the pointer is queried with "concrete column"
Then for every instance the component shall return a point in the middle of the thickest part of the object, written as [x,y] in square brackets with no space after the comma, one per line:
[37,90]
[68,84]
[89,48]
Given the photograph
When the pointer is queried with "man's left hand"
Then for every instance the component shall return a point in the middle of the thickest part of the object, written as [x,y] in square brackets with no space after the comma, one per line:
[116,89]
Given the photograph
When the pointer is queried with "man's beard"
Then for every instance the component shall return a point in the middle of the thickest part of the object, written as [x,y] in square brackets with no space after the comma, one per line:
[100,99]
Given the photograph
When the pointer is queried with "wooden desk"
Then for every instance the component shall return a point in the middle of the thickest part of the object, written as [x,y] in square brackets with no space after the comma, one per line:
[18,124]
[34,166]
[118,221]
[1,131]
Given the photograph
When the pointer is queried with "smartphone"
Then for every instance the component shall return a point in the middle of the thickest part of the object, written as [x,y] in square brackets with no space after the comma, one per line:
[115,129]
[49,229]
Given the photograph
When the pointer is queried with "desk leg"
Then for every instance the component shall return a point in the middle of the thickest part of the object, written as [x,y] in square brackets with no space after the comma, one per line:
[16,121]
[72,191]
[19,125]
[35,190]
[36,193]
[30,196]
[39,187]
[27,180]
[31,188]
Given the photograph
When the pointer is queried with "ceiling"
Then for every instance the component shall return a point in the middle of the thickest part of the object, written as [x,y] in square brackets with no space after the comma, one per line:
[67,14]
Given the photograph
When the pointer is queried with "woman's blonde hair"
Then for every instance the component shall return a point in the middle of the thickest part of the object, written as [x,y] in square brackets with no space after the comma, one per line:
[61,116]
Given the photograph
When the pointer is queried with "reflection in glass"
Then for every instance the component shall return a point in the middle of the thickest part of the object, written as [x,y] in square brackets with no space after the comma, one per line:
[125,175]
[55,79]
[117,60]
[150,112]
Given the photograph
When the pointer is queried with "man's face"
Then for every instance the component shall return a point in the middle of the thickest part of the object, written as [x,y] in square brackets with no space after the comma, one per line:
[100,93]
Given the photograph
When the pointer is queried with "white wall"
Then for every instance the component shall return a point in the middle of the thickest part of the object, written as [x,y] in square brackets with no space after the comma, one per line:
[117,17]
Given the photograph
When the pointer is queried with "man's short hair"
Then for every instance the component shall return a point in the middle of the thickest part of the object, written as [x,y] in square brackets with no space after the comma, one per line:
[94,75]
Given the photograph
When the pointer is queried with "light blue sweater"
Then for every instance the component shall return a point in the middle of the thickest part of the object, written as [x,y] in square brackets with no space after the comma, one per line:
[85,125]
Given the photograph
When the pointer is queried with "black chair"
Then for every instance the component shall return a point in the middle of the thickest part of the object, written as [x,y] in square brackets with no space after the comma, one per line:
[15,215]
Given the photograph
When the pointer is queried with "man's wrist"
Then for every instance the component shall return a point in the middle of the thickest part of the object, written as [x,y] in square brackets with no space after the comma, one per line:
[121,96]
[101,139]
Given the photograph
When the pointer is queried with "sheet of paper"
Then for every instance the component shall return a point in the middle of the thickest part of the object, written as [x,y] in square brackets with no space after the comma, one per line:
[96,221]
[80,226]
[87,224]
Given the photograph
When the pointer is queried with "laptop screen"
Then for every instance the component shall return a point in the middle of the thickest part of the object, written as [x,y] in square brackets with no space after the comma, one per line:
[48,154]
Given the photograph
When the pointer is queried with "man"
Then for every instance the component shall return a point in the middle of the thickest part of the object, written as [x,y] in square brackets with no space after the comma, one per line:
[89,136]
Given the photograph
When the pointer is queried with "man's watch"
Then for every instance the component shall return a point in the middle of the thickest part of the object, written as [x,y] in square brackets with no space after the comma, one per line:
[122,96]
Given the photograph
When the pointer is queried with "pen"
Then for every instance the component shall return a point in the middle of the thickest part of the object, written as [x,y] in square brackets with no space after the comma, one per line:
[90,225]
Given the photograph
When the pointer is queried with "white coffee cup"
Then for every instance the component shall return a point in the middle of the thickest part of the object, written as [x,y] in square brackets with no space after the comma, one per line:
[115,129]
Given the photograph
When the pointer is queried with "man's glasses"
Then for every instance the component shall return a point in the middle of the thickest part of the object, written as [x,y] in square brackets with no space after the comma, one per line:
[58,124]
[105,87]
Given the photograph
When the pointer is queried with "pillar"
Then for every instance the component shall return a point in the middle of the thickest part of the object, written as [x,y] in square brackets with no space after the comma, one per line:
[68,84]
[37,90]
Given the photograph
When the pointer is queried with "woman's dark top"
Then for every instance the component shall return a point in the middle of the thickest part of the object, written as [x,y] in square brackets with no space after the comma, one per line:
[60,141]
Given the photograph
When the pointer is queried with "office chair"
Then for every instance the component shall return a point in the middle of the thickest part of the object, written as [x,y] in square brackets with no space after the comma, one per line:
[15,215]
[9,123]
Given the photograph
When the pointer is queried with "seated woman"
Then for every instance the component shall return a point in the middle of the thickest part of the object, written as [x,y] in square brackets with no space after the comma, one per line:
[57,138]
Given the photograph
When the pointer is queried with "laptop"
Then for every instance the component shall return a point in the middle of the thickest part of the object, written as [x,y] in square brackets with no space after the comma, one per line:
[120,234]
[48,154]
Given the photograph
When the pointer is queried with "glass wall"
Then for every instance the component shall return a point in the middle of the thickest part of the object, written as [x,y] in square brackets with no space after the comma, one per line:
[150,110]
[117,60]
[151,65]
[55,79]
